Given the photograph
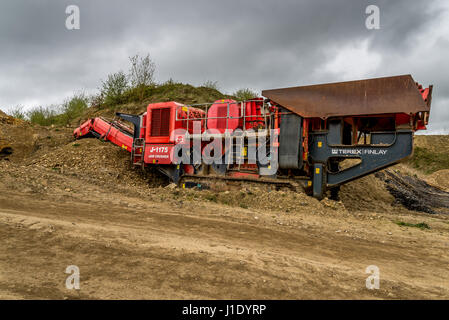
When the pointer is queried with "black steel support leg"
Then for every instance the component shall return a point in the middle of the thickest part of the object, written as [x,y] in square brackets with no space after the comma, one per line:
[386,149]
[335,193]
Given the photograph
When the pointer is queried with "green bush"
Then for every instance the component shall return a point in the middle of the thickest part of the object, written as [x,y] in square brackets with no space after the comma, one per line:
[96,100]
[44,116]
[73,108]
[245,94]
[211,85]
[17,112]
[113,89]
[70,110]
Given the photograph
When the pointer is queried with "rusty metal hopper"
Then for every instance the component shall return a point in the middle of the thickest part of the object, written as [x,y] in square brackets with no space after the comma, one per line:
[398,94]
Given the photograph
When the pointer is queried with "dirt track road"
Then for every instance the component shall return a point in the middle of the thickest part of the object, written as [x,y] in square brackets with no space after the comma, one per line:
[134,248]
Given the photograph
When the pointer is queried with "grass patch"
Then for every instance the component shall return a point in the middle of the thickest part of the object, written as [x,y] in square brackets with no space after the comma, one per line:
[17,112]
[212,197]
[421,225]
[428,161]
[75,145]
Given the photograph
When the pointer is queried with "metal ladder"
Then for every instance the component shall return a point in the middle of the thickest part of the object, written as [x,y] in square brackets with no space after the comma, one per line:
[238,153]
[137,152]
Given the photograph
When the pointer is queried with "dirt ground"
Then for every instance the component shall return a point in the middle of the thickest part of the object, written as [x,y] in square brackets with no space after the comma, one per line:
[78,203]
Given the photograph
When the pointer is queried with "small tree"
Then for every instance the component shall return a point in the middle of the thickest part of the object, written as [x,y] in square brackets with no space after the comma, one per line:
[211,84]
[73,108]
[245,94]
[113,88]
[96,100]
[141,73]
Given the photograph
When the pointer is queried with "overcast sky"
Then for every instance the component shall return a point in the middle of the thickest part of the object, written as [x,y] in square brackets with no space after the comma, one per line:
[257,44]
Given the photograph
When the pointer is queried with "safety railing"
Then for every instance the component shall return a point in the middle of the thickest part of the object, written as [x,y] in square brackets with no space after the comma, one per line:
[265,114]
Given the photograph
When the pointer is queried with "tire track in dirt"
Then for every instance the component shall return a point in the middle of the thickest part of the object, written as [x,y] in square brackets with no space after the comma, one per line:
[145,245]
[181,256]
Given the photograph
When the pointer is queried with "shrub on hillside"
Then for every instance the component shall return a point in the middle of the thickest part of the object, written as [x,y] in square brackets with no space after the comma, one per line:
[210,84]
[96,100]
[72,108]
[245,94]
[17,112]
[141,74]
[113,89]
[44,116]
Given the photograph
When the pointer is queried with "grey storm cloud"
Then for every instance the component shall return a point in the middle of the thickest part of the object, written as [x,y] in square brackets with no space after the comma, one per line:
[257,44]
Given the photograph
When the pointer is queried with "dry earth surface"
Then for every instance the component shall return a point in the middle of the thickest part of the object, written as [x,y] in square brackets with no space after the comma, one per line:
[78,203]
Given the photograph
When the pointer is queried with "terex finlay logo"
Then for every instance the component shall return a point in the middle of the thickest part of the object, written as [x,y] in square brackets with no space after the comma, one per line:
[359,152]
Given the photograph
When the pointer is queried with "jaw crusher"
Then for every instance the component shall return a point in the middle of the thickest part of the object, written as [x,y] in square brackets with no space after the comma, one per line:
[306,134]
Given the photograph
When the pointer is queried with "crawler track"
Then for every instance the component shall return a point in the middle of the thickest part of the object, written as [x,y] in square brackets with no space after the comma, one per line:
[228,182]
[414,193]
